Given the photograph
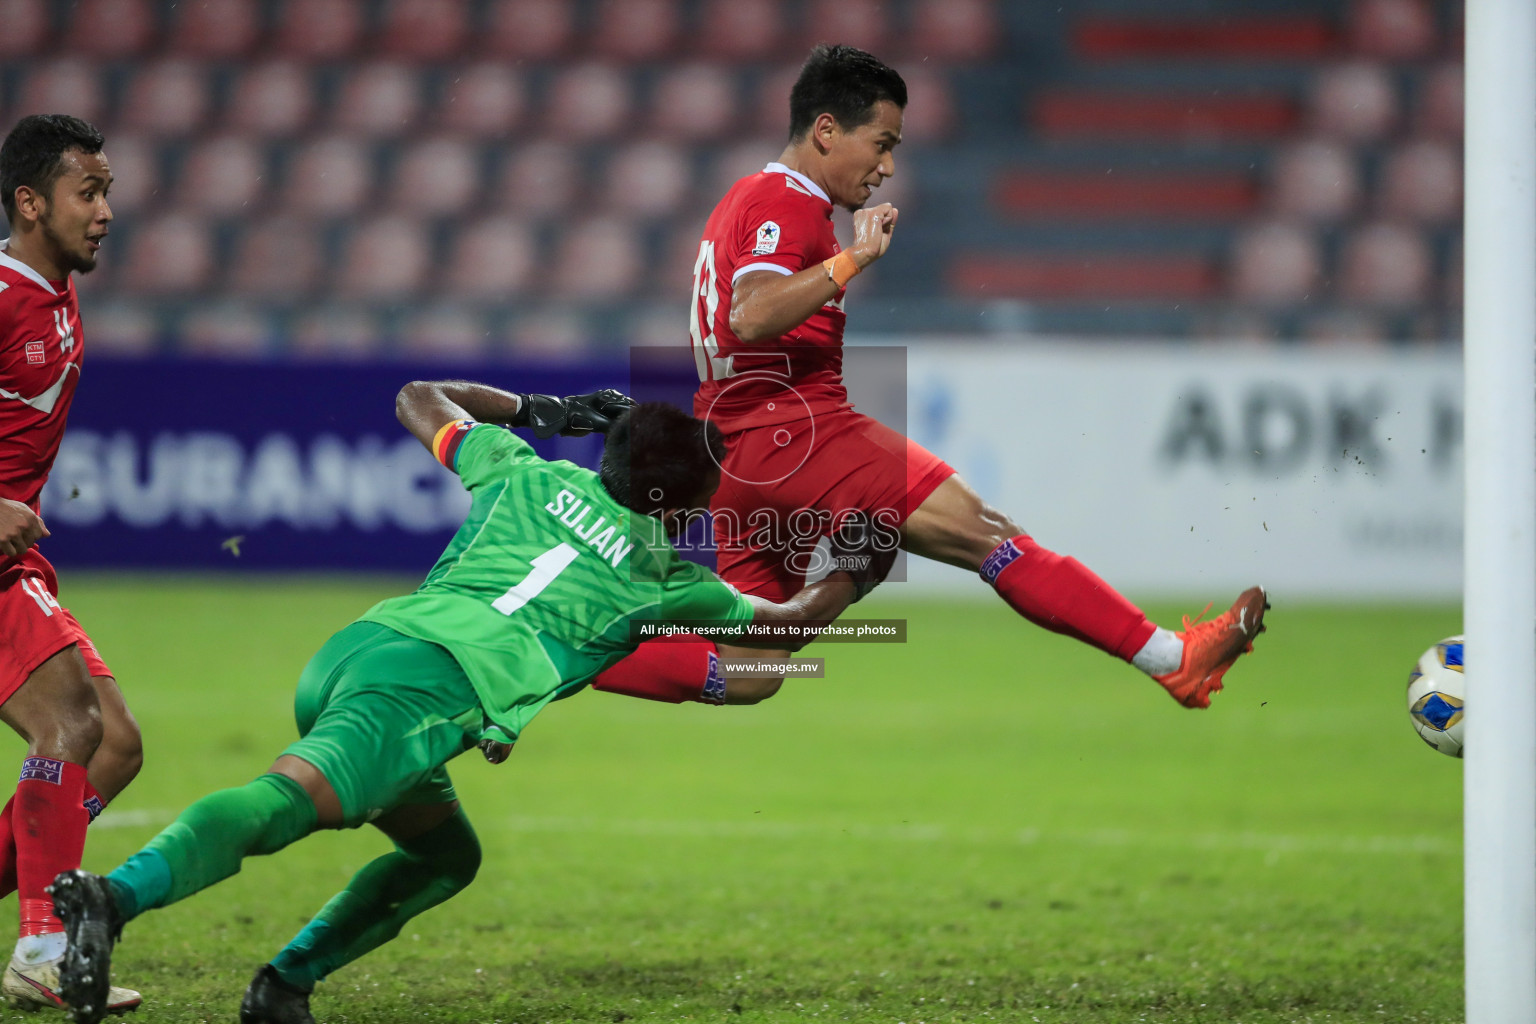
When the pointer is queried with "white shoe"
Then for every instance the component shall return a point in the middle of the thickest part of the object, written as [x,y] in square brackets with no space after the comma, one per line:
[33,986]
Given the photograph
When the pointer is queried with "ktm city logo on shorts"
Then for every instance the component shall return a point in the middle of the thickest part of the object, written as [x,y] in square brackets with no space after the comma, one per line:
[42,769]
[36,356]
[767,239]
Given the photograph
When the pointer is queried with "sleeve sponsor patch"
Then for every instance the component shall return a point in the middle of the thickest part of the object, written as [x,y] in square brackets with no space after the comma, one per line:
[767,239]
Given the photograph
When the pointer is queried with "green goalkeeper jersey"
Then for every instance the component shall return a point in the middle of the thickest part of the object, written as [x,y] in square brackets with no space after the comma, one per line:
[535,594]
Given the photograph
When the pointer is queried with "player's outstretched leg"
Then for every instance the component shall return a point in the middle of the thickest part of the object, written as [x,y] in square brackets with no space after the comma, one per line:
[422,872]
[204,845]
[1211,647]
[92,924]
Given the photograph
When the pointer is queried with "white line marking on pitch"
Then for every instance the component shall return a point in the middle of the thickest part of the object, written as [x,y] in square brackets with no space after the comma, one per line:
[922,833]
[925,833]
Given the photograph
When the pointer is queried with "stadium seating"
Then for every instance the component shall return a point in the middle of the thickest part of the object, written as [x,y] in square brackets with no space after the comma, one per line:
[319,29]
[1122,167]
[224,29]
[486,100]
[27,28]
[275,99]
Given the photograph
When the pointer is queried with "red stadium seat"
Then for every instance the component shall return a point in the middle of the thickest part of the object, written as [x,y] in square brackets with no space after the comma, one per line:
[1357,102]
[277,260]
[424,29]
[740,30]
[1386,264]
[634,29]
[529,29]
[930,113]
[491,261]
[444,332]
[110,28]
[597,259]
[166,99]
[329,177]
[1240,37]
[588,101]
[695,102]
[224,177]
[1421,181]
[272,100]
[1094,277]
[65,87]
[27,28]
[216,28]
[1133,195]
[336,332]
[485,99]
[319,29]
[378,99]
[136,177]
[226,330]
[1441,99]
[544,178]
[1278,263]
[171,255]
[1315,179]
[1392,29]
[435,177]
[952,31]
[646,179]
[1088,114]
[385,260]
[861,23]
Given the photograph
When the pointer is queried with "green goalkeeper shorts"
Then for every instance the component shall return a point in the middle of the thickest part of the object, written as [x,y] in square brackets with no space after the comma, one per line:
[381,714]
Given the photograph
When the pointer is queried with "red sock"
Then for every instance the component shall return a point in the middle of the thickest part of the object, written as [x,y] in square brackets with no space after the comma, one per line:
[7,851]
[48,822]
[93,804]
[674,668]
[1063,595]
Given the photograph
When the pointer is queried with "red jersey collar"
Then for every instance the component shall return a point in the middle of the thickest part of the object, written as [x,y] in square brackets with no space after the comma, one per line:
[815,189]
[11,263]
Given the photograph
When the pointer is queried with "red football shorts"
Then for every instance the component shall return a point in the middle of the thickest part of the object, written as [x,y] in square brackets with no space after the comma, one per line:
[36,626]
[783,488]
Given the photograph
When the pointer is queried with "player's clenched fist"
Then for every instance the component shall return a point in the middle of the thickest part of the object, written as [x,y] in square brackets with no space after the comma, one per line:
[872,230]
[20,527]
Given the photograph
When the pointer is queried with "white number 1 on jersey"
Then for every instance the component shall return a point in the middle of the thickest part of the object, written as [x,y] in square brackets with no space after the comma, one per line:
[545,568]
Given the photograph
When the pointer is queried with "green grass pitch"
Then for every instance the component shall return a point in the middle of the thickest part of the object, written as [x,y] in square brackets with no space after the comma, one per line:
[988,823]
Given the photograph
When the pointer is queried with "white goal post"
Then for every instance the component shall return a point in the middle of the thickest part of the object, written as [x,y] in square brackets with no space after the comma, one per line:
[1500,553]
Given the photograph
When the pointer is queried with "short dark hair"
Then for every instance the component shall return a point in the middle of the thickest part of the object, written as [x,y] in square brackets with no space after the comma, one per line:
[657,457]
[32,154]
[845,82]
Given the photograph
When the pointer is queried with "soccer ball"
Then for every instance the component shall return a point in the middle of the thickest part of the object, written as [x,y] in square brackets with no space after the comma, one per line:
[1437,694]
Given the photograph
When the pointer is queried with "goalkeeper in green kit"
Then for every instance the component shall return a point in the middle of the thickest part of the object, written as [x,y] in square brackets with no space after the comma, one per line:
[541,588]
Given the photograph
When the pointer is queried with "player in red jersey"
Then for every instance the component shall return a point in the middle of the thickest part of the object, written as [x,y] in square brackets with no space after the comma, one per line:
[767,334]
[55,691]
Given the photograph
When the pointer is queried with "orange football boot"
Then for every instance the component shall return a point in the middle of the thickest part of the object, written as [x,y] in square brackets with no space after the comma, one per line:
[1211,647]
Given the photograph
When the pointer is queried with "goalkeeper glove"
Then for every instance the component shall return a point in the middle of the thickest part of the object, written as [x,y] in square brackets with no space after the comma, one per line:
[572,416]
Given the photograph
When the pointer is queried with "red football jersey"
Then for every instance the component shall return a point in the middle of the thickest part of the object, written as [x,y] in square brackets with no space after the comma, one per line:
[780,221]
[40,352]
